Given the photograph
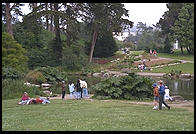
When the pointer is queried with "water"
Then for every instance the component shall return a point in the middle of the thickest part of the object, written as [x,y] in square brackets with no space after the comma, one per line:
[182,87]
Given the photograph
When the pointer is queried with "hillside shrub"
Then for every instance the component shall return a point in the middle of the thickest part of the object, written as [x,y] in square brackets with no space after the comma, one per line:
[131,86]
[11,73]
[12,89]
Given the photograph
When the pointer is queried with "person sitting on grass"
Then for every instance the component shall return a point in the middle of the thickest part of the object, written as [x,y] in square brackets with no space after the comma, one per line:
[40,100]
[25,99]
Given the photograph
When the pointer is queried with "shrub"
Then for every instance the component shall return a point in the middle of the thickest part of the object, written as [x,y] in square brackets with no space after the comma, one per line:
[11,73]
[12,89]
[126,87]
[35,77]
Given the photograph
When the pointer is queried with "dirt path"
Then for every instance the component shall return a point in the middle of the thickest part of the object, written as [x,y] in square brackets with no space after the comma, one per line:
[189,105]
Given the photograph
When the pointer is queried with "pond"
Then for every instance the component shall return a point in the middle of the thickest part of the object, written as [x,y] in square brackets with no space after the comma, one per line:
[182,87]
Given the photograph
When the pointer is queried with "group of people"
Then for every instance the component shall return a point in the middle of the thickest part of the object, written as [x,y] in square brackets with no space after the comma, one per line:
[77,91]
[161,94]
[153,52]
[142,66]
[27,100]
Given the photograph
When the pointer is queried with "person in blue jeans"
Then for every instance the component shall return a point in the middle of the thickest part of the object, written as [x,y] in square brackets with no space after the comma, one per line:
[84,87]
[161,95]
[71,89]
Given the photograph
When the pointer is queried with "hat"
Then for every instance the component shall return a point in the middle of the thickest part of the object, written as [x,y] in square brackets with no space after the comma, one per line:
[25,92]
[160,81]
[154,84]
[63,81]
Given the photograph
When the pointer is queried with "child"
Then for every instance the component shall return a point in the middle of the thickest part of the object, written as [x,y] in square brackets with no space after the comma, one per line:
[156,95]
[167,96]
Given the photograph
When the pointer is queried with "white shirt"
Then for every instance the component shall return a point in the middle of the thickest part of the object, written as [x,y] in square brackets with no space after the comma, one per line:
[83,84]
[71,87]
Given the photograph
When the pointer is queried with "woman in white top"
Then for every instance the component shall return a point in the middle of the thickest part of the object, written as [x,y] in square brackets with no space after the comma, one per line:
[71,89]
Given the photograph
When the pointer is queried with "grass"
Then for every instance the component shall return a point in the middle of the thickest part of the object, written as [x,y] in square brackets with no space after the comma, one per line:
[177,55]
[93,115]
[185,68]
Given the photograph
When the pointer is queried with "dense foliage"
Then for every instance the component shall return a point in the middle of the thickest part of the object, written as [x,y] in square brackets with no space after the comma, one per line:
[46,74]
[126,87]
[13,54]
[11,73]
[15,88]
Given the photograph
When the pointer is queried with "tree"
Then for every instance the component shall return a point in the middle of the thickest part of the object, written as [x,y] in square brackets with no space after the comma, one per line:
[13,55]
[104,16]
[183,29]
[167,21]
[8,17]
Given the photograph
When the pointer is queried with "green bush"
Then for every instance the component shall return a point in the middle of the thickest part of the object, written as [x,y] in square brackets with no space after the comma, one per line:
[52,74]
[11,73]
[35,77]
[126,87]
[12,89]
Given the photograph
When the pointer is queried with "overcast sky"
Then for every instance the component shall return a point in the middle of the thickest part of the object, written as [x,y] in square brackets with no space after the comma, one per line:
[148,13]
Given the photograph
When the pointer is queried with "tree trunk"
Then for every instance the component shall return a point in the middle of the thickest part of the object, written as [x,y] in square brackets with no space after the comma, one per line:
[182,50]
[58,43]
[188,50]
[8,19]
[93,45]
[46,8]
[51,18]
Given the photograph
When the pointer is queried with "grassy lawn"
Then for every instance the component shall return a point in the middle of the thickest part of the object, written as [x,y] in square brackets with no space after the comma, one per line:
[88,115]
[185,68]
[177,55]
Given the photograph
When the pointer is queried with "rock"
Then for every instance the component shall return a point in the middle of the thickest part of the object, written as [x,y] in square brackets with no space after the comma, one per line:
[47,92]
[97,74]
[125,70]
[177,98]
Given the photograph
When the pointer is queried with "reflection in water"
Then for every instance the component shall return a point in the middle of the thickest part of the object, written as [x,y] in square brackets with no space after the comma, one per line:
[175,85]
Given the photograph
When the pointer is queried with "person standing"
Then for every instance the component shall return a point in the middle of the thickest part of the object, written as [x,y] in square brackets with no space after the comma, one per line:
[84,87]
[63,89]
[161,95]
[71,89]
[78,89]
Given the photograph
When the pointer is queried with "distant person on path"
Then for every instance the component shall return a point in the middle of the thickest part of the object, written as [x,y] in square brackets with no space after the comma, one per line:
[155,53]
[63,89]
[78,89]
[71,89]
[167,96]
[161,95]
[84,87]
[156,95]
[25,99]
[150,52]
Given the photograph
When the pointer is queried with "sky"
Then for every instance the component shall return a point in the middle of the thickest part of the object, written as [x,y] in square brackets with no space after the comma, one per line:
[148,13]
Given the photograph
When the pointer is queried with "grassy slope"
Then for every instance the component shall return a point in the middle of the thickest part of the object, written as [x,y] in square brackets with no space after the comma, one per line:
[185,68]
[92,115]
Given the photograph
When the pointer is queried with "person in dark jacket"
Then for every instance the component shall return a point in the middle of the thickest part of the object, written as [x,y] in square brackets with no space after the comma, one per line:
[63,89]
[161,95]
[78,89]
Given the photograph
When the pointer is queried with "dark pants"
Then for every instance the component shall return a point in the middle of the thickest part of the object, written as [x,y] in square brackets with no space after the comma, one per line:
[81,93]
[161,100]
[63,94]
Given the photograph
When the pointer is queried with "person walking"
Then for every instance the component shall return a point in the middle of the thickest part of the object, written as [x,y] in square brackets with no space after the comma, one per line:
[63,89]
[161,95]
[156,96]
[167,96]
[71,89]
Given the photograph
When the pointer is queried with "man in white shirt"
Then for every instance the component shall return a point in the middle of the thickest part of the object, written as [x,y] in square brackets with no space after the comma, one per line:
[83,85]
